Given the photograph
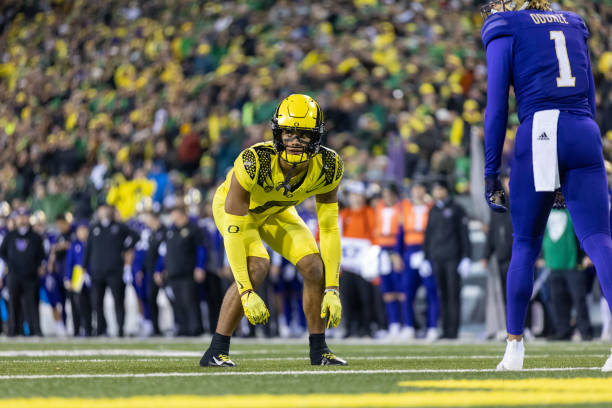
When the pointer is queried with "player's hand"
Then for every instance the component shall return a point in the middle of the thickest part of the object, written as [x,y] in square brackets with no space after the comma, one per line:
[425,269]
[67,285]
[331,307]
[157,278]
[495,194]
[464,267]
[199,275]
[397,262]
[139,278]
[254,308]
[127,274]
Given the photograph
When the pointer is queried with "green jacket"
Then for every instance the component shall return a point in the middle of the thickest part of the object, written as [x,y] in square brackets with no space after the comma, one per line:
[559,247]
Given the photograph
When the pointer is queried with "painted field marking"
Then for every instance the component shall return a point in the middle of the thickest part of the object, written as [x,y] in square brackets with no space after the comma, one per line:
[166,358]
[451,393]
[288,372]
[185,354]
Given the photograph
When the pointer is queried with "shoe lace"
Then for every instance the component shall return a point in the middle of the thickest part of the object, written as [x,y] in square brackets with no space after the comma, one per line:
[223,357]
[329,356]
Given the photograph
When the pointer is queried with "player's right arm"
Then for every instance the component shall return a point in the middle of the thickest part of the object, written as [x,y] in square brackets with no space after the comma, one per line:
[237,231]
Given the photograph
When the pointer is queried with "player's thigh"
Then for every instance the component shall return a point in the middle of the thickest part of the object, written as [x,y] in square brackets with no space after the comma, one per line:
[585,186]
[529,209]
[287,234]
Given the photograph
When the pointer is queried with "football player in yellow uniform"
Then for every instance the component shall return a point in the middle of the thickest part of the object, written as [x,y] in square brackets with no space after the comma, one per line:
[257,203]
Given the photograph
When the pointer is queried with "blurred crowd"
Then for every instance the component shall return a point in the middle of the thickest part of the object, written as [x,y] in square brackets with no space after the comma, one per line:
[144,105]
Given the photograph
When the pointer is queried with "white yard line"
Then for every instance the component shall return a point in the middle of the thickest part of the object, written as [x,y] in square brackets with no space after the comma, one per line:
[159,355]
[259,373]
[349,357]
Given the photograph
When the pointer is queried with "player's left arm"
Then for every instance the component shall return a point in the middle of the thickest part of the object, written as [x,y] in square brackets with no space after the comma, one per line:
[329,232]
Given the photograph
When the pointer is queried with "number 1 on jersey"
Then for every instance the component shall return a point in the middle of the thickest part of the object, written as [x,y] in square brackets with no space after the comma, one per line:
[565,78]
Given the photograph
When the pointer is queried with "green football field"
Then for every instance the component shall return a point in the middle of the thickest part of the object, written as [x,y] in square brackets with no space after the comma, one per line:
[165,373]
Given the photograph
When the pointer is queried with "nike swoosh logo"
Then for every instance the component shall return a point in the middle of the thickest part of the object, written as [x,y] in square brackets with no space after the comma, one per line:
[217,361]
[241,285]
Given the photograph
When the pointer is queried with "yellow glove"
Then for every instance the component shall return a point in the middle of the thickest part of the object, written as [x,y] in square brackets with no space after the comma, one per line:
[254,308]
[331,306]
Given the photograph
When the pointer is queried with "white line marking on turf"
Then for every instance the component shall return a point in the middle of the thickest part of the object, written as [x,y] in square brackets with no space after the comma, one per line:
[160,355]
[99,352]
[119,352]
[303,372]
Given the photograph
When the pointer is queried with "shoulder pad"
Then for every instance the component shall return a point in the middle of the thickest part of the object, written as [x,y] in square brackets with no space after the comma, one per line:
[264,152]
[329,158]
[250,163]
[497,25]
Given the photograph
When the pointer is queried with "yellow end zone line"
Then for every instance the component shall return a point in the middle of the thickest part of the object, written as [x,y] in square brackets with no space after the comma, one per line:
[440,393]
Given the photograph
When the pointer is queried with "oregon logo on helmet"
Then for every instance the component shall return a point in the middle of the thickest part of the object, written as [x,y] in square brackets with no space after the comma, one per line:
[302,116]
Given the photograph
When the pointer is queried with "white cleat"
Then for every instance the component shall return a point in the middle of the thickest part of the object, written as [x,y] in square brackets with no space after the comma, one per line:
[407,333]
[513,357]
[607,367]
[432,334]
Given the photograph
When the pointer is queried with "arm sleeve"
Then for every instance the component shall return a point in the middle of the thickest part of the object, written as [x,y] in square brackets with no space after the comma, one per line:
[327,214]
[160,264]
[238,231]
[201,257]
[499,65]
[131,237]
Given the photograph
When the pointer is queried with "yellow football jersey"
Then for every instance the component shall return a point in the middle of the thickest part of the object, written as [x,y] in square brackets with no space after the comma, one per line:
[258,171]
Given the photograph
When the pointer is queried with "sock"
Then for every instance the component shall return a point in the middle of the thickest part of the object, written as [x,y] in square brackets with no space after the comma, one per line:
[520,281]
[392,311]
[220,344]
[317,342]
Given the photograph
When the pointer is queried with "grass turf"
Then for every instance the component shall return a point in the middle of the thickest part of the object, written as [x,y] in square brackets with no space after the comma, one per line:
[290,360]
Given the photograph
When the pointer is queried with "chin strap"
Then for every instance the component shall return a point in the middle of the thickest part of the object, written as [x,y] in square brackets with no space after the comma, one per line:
[285,184]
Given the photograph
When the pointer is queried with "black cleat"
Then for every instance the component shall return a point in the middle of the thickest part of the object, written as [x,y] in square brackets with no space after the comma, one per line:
[216,360]
[326,358]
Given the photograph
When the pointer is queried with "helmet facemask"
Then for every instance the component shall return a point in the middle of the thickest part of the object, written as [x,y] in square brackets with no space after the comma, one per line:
[496,6]
[308,148]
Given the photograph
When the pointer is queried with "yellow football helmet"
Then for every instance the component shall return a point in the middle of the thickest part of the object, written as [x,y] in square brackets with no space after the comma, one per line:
[302,115]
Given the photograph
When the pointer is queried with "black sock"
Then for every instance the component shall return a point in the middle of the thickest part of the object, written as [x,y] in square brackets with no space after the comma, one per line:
[317,342]
[220,343]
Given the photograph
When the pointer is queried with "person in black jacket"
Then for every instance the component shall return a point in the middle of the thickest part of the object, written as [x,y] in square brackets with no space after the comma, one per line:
[158,234]
[447,251]
[184,264]
[107,260]
[22,250]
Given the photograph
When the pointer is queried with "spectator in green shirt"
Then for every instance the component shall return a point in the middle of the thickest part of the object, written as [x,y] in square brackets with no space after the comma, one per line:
[567,283]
